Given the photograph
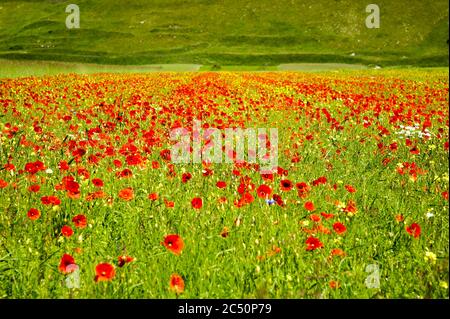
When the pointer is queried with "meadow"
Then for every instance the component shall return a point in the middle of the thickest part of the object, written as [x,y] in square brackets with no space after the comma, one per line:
[226,32]
[91,205]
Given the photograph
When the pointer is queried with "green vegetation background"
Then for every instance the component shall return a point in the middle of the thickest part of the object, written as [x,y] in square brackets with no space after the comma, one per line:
[227,32]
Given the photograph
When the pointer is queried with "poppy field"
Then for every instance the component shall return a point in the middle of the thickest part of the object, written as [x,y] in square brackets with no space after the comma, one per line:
[92,205]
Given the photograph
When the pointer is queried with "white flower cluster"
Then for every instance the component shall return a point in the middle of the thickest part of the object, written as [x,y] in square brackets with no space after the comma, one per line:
[412,131]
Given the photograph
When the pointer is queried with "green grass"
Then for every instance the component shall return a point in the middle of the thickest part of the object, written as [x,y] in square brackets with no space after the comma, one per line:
[227,32]
[23,68]
[313,67]
[20,68]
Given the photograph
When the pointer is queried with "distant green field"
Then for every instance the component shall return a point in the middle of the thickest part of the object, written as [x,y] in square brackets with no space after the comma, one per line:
[216,33]
[25,68]
[19,68]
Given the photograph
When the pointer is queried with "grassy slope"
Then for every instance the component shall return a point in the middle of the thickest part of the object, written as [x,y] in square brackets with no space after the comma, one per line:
[22,68]
[244,32]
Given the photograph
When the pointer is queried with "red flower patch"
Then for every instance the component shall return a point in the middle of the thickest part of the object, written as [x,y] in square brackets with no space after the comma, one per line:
[197,203]
[174,243]
[104,272]
[176,283]
[67,231]
[33,214]
[339,228]
[65,263]
[80,221]
[414,230]
[309,206]
[313,243]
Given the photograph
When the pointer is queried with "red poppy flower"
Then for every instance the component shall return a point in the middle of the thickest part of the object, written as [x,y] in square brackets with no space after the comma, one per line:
[267,177]
[264,191]
[72,186]
[33,188]
[414,230]
[415,150]
[174,243]
[45,200]
[67,231]
[315,218]
[408,142]
[3,184]
[320,181]
[313,243]
[125,173]
[122,260]
[326,216]
[79,152]
[286,185]
[104,272]
[207,172]
[169,203]
[248,198]
[92,159]
[176,283]
[337,252]
[134,160]
[309,206]
[80,221]
[126,194]
[350,188]
[393,146]
[155,164]
[50,200]
[339,228]
[34,167]
[63,166]
[221,184]
[277,198]
[334,284]
[97,182]
[96,195]
[9,167]
[65,262]
[73,195]
[322,229]
[117,163]
[445,195]
[241,188]
[33,214]
[351,207]
[186,177]
[171,170]
[165,155]
[197,203]
[153,196]
[83,172]
[302,189]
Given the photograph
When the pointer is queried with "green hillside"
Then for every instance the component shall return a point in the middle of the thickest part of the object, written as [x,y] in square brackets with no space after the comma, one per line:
[226,32]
